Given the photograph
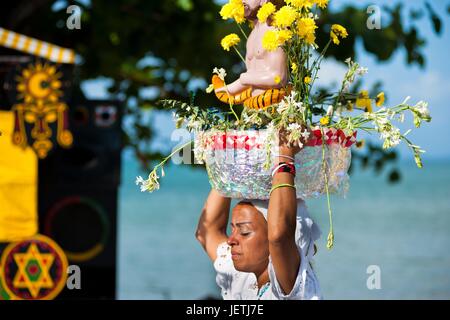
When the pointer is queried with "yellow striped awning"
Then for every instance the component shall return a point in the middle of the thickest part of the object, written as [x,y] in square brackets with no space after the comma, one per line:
[13,40]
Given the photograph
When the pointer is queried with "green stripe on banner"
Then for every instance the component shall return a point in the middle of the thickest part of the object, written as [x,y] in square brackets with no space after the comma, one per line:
[3,294]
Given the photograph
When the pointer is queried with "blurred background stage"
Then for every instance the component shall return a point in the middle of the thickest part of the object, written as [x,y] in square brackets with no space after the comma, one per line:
[58,182]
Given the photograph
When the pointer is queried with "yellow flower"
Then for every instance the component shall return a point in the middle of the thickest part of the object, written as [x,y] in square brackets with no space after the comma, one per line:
[325,120]
[284,35]
[306,29]
[360,144]
[277,79]
[322,3]
[285,17]
[270,40]
[307,80]
[230,41]
[338,31]
[294,67]
[380,99]
[234,9]
[265,11]
[364,101]
[273,39]
[300,4]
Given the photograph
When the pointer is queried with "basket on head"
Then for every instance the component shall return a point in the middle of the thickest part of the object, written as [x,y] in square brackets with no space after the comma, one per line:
[235,162]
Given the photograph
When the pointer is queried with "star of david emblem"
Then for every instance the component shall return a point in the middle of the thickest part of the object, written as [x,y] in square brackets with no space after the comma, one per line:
[35,268]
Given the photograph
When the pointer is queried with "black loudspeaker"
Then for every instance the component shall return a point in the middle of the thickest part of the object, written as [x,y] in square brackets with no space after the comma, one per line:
[78,190]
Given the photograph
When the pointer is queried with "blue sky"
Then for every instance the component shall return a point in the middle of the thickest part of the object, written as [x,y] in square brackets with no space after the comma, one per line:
[431,84]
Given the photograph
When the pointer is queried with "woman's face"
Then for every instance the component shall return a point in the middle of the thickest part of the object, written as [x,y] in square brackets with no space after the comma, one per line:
[248,239]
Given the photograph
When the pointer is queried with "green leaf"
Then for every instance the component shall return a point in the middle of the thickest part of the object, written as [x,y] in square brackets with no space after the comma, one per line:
[186,5]
[437,23]
[418,159]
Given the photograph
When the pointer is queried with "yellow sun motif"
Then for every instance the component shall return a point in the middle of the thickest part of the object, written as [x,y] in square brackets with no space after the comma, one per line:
[39,84]
[39,90]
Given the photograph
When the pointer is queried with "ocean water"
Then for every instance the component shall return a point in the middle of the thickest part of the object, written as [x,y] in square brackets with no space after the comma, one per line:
[403,230]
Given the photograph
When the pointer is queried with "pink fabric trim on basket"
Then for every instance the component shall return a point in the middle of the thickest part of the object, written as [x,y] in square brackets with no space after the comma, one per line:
[232,141]
[332,136]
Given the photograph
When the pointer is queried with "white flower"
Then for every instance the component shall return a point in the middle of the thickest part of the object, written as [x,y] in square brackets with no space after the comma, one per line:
[406,99]
[295,134]
[282,106]
[330,110]
[293,127]
[306,134]
[195,124]
[254,118]
[151,184]
[421,113]
[271,126]
[290,104]
[221,73]
[392,138]
[139,180]
[353,70]
[422,109]
[368,116]
[362,71]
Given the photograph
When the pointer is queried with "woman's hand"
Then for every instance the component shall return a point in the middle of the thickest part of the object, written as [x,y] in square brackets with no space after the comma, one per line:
[286,148]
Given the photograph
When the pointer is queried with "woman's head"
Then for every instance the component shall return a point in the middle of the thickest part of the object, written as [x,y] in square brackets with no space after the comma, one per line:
[248,239]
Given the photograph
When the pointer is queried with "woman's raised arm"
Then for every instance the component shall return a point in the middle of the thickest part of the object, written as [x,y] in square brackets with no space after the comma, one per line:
[212,226]
[281,222]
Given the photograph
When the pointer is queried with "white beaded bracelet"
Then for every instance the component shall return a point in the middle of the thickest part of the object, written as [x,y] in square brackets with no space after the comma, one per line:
[283,156]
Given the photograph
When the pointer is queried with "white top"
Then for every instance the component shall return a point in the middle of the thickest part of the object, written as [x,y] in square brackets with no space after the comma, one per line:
[237,285]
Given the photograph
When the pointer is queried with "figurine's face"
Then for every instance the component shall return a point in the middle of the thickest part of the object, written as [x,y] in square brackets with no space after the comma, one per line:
[248,239]
[251,7]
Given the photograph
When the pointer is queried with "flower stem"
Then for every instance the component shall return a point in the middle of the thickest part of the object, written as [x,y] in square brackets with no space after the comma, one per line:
[232,110]
[330,238]
[240,55]
[171,155]
[242,31]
